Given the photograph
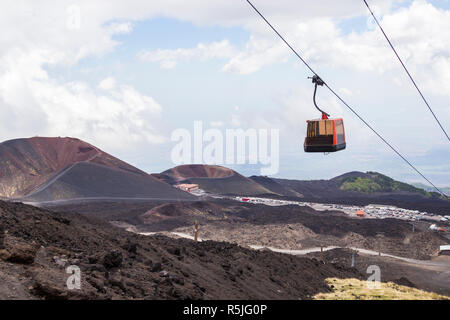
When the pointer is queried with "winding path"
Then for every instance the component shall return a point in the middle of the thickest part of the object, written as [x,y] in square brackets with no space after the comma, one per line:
[359,250]
[318,249]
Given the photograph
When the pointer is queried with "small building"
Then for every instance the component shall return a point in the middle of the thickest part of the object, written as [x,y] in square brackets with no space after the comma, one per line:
[187,187]
[444,250]
[360,213]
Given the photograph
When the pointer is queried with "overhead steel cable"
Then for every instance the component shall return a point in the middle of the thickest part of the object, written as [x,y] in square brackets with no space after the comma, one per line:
[345,103]
[406,69]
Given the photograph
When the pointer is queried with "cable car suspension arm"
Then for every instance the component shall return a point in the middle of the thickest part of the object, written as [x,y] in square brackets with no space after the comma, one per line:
[318,82]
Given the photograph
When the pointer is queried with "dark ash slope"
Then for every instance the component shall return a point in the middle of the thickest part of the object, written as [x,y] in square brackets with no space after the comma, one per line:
[120,265]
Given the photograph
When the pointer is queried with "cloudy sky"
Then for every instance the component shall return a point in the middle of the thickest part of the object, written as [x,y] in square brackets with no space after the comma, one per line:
[123,75]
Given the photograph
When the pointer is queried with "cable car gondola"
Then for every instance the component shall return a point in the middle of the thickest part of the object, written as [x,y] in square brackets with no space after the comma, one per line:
[324,135]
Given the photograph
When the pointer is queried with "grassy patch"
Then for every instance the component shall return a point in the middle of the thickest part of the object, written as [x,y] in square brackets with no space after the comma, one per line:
[361,185]
[354,289]
[377,182]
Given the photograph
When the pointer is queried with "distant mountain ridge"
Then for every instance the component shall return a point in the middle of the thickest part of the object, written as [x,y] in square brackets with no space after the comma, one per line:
[214,179]
[352,188]
[353,183]
[217,179]
[425,187]
[358,188]
[51,169]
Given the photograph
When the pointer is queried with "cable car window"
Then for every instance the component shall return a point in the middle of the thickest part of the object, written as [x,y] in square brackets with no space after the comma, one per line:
[340,131]
[312,129]
[322,131]
[325,127]
[329,127]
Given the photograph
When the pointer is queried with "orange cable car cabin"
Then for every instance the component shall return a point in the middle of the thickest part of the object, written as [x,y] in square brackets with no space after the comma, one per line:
[324,135]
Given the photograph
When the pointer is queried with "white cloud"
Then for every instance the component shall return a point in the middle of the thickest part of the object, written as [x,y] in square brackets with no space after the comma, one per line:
[107,83]
[32,102]
[416,31]
[345,91]
[116,118]
[168,59]
[312,28]
[120,28]
[259,51]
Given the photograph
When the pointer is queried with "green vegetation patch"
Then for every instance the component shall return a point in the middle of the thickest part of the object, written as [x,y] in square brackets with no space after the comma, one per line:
[377,182]
[364,185]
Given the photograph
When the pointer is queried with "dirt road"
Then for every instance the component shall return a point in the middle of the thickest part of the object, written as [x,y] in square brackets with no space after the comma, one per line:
[306,251]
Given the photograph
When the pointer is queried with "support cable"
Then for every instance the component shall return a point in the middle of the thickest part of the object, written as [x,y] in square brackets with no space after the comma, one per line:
[406,69]
[345,103]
